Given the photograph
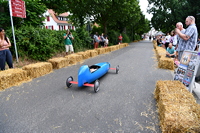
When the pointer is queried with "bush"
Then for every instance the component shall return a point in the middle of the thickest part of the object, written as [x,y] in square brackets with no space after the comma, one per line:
[137,37]
[41,44]
[125,38]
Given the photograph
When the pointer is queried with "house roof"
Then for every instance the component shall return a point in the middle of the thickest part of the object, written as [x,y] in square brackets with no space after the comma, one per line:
[53,15]
[64,14]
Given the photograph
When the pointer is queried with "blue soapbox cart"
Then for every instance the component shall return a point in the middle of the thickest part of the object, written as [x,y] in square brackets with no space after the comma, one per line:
[88,74]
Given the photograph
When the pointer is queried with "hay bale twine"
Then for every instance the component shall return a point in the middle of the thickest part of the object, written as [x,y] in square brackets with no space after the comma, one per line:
[59,62]
[38,69]
[177,108]
[12,77]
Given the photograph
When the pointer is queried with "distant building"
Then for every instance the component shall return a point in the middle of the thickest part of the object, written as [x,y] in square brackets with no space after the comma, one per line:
[57,22]
[152,32]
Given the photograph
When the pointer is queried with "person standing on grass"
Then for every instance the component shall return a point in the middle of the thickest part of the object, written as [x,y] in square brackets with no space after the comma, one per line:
[68,37]
[5,54]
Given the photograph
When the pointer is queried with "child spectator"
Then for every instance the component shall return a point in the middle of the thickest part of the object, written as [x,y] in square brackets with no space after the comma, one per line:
[106,42]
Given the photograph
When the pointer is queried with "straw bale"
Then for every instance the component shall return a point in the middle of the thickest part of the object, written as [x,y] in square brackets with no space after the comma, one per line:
[166,63]
[92,53]
[155,44]
[107,49]
[12,77]
[117,47]
[122,45]
[100,50]
[160,51]
[85,55]
[74,58]
[59,62]
[38,69]
[113,48]
[177,107]
[125,44]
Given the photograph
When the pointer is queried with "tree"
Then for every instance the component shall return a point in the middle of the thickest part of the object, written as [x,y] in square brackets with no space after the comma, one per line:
[110,13]
[167,13]
[34,14]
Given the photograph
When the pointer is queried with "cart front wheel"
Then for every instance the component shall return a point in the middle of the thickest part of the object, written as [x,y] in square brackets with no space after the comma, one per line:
[96,86]
[117,69]
[68,81]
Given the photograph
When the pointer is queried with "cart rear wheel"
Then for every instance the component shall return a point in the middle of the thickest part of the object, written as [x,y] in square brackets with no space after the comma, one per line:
[68,81]
[96,86]
[117,69]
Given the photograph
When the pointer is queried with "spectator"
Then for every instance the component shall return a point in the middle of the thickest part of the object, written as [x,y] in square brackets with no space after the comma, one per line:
[68,43]
[198,40]
[96,40]
[163,41]
[179,47]
[190,36]
[159,41]
[120,38]
[102,40]
[149,38]
[174,43]
[171,40]
[106,42]
[171,51]
[5,54]
[198,43]
[167,39]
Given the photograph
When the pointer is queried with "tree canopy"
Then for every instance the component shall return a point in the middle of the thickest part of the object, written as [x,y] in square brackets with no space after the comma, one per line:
[118,15]
[166,13]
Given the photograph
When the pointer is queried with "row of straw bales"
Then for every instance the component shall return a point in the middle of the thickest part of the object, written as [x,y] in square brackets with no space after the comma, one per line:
[177,108]
[13,77]
[163,61]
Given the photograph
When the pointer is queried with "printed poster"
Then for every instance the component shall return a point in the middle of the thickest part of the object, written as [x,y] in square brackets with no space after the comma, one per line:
[186,69]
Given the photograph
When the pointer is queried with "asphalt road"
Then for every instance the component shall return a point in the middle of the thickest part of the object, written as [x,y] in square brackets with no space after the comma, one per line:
[124,104]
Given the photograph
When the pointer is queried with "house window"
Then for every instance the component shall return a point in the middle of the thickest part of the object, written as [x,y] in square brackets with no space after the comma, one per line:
[48,18]
[50,27]
[61,27]
[60,18]
[65,19]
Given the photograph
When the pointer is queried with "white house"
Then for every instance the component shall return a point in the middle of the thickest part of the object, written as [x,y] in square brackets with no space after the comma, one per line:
[57,22]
